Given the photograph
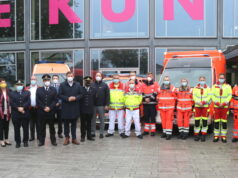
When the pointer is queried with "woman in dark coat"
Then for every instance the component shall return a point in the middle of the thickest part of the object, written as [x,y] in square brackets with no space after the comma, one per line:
[70,92]
[4,113]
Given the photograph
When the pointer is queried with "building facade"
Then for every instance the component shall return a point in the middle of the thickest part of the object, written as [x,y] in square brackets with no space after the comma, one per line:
[109,35]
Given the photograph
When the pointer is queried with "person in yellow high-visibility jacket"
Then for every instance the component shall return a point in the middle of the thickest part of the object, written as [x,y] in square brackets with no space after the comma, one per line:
[221,96]
[133,100]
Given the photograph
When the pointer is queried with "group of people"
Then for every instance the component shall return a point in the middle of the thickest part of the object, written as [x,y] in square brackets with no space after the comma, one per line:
[36,106]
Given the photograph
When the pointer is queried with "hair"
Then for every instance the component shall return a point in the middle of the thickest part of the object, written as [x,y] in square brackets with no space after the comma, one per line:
[166,77]
[222,74]
[68,73]
[202,77]
[2,79]
[55,75]
[149,73]
[132,72]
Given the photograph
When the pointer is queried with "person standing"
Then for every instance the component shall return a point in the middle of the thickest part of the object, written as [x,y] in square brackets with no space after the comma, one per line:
[56,84]
[101,104]
[20,103]
[70,92]
[149,91]
[202,100]
[184,108]
[116,108]
[46,99]
[133,100]
[166,105]
[34,125]
[87,107]
[221,96]
[138,83]
[5,113]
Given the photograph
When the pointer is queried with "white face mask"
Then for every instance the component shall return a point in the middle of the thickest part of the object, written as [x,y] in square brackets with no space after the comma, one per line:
[47,83]
[149,79]
[70,79]
[55,81]
[133,77]
[132,86]
[98,78]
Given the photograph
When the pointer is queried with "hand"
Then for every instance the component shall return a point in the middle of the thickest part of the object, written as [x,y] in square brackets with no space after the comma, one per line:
[106,108]
[21,110]
[47,109]
[72,98]
[57,104]
[147,100]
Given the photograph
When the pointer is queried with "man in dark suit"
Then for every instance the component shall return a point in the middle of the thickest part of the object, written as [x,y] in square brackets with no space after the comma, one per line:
[46,99]
[87,108]
[20,103]
[70,93]
[56,84]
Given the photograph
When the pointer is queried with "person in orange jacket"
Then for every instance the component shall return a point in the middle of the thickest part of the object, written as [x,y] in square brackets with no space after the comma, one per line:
[149,92]
[234,108]
[184,108]
[166,104]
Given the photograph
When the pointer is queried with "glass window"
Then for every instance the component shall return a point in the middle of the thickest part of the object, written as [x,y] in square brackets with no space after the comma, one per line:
[136,27]
[16,15]
[42,30]
[121,61]
[183,25]
[12,67]
[73,58]
[230,18]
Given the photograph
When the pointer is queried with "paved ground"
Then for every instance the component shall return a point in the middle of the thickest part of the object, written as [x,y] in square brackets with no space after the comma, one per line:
[114,158]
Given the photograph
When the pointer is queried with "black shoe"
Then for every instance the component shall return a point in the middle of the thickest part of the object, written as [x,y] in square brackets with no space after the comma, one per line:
[101,136]
[18,145]
[224,140]
[185,136]
[93,135]
[196,138]
[82,140]
[60,136]
[168,137]
[216,139]
[234,140]
[122,135]
[203,138]
[180,136]
[41,144]
[152,134]
[54,143]
[109,135]
[32,139]
[125,136]
[91,139]
[163,135]
[146,133]
[25,144]
[140,136]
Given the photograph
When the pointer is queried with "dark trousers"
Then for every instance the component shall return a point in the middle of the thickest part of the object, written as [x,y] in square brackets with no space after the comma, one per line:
[4,128]
[86,124]
[18,123]
[149,113]
[43,120]
[73,123]
[34,125]
[59,121]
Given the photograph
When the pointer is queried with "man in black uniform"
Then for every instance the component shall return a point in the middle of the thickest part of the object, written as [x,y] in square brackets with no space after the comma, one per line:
[87,108]
[46,99]
[20,103]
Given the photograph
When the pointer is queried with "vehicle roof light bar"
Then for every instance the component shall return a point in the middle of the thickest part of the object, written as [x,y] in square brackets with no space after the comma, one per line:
[193,55]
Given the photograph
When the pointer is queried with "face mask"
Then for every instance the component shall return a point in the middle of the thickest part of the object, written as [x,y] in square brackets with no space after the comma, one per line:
[3,85]
[133,77]
[55,81]
[149,79]
[47,83]
[98,78]
[184,84]
[70,79]
[116,80]
[221,80]
[132,86]
[19,88]
[202,82]
[166,82]
[33,82]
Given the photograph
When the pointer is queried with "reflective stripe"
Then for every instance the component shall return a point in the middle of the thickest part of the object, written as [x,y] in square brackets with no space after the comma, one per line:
[235,134]
[170,107]
[217,120]
[117,90]
[149,103]
[178,107]
[205,118]
[116,103]
[197,118]
[185,100]
[224,120]
[224,97]
[166,98]
[235,130]
[132,106]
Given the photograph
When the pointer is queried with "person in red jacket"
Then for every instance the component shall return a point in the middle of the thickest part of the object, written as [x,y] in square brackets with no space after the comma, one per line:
[138,84]
[184,108]
[166,105]
[149,92]
[234,109]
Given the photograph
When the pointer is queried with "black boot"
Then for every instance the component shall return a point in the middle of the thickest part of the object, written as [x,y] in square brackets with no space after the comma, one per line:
[180,136]
[224,140]
[196,138]
[216,139]
[203,139]
[168,137]
[152,134]
[163,135]
[185,136]
[235,140]
[146,133]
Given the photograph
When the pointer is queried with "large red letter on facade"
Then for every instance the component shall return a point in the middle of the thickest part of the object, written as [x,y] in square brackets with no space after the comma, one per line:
[109,14]
[5,8]
[195,9]
[63,6]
